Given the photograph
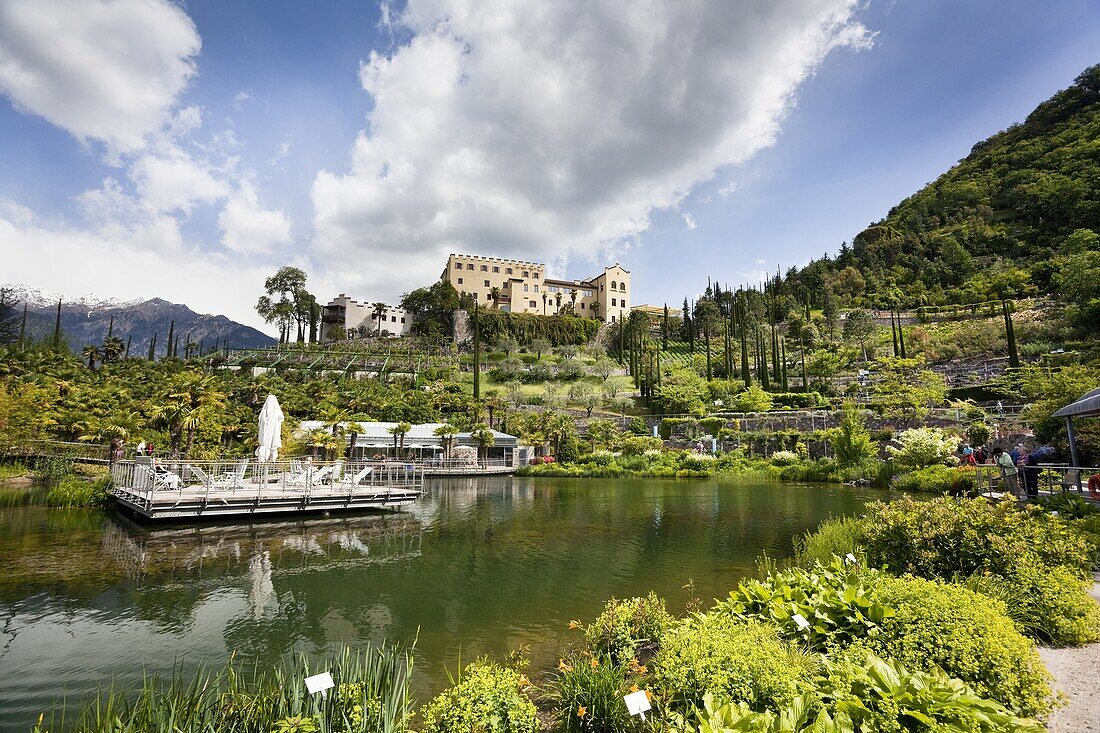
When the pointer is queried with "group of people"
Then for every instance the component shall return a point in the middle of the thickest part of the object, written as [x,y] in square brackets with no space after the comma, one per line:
[117,449]
[1019,466]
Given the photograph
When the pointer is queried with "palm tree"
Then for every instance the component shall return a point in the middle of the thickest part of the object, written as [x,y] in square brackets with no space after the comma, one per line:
[485,438]
[596,308]
[113,348]
[446,433]
[557,299]
[573,298]
[189,401]
[379,313]
[398,432]
[545,297]
[494,295]
[92,354]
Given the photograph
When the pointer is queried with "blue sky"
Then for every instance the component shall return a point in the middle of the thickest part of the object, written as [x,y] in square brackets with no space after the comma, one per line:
[211,142]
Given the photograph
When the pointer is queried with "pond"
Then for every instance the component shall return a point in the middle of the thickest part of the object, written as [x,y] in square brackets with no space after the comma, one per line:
[478,566]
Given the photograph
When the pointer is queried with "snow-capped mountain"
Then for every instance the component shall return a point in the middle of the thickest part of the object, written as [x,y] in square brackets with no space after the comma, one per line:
[86,320]
[36,298]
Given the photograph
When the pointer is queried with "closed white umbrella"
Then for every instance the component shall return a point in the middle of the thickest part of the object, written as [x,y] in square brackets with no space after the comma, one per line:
[271,430]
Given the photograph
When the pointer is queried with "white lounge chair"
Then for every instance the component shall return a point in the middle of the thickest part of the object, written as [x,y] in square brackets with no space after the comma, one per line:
[148,478]
[352,481]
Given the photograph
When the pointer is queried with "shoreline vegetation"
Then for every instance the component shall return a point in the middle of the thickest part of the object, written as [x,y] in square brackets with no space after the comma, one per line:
[918,615]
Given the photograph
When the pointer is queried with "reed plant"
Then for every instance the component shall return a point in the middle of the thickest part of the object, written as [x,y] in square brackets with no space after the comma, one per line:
[371,696]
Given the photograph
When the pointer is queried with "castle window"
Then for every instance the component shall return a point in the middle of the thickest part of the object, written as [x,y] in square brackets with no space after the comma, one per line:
[496,269]
[470,266]
[484,268]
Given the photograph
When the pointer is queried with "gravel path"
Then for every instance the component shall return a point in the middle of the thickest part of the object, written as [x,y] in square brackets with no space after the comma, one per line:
[1076,674]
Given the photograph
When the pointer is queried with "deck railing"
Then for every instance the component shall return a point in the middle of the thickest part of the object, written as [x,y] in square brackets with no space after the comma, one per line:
[1044,479]
[246,475]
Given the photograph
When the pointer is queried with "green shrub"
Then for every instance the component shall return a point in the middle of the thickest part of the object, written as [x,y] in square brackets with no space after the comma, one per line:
[966,634]
[636,445]
[834,537]
[784,458]
[624,626]
[753,399]
[937,480]
[587,695]
[836,601]
[712,425]
[72,491]
[638,426]
[1051,604]
[920,447]
[1068,505]
[735,662]
[52,469]
[884,696]
[487,698]
[947,537]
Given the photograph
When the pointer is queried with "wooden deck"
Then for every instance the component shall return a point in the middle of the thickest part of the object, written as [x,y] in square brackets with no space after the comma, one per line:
[180,490]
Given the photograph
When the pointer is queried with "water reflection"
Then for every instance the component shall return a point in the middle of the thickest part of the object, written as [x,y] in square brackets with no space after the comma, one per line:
[477,567]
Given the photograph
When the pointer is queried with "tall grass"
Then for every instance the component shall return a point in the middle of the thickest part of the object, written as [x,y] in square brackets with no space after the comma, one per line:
[371,696]
[835,536]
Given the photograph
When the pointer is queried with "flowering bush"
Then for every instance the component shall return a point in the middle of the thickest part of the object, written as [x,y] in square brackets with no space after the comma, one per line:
[487,698]
[920,447]
[784,458]
[625,625]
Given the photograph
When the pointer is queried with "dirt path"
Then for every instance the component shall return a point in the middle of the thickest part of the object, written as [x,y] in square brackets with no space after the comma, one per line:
[1076,674]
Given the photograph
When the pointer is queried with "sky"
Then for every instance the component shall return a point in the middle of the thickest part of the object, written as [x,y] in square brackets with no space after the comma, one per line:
[187,150]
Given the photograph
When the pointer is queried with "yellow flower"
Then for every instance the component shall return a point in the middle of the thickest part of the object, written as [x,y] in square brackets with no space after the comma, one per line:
[633,688]
[563,667]
[641,669]
[594,662]
[581,711]
[523,681]
[574,624]
[649,695]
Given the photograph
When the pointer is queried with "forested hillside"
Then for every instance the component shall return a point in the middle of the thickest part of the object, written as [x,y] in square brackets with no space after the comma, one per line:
[1026,199]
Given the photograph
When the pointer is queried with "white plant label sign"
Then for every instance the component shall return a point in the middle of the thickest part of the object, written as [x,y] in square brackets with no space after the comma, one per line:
[638,703]
[851,559]
[799,619]
[319,683]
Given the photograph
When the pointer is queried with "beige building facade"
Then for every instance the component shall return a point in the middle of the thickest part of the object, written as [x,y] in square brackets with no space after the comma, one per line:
[522,287]
[359,319]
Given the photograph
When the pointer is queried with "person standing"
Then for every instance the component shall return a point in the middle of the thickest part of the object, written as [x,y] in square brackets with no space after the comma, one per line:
[1009,472]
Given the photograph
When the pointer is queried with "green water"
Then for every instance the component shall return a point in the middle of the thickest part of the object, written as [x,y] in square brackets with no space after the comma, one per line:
[479,566]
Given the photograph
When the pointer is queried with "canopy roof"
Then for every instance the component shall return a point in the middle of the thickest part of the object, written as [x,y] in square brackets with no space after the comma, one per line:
[377,435]
[1087,406]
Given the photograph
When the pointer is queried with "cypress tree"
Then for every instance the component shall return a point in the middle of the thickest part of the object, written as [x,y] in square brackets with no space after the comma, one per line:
[23,329]
[802,354]
[745,373]
[57,328]
[153,348]
[176,347]
[1010,335]
[706,340]
[894,334]
[765,381]
[127,354]
[783,364]
[477,355]
[111,327]
[664,330]
[171,332]
[901,337]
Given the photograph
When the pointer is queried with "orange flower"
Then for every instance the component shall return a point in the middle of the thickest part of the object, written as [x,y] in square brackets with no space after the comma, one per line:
[523,681]
[594,662]
[563,667]
[649,695]
[633,688]
[641,669]
[574,624]
[581,711]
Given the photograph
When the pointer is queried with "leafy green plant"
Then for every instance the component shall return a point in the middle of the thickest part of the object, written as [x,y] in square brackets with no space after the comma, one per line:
[938,479]
[587,695]
[920,447]
[882,695]
[487,698]
[1050,604]
[625,626]
[732,660]
[834,537]
[372,698]
[836,604]
[740,718]
[966,634]
[948,537]
[72,491]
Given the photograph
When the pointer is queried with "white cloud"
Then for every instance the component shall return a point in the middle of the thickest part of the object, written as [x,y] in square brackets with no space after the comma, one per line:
[551,129]
[126,268]
[108,70]
[689,221]
[726,190]
[249,229]
[241,98]
[172,181]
